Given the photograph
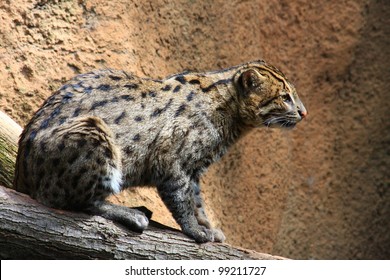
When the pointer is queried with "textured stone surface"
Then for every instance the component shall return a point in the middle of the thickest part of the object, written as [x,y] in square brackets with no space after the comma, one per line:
[319,191]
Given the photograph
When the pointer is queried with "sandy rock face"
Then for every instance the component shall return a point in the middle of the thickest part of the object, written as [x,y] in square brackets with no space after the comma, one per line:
[318,191]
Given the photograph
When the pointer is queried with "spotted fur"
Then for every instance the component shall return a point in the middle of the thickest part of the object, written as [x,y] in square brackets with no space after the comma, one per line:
[108,130]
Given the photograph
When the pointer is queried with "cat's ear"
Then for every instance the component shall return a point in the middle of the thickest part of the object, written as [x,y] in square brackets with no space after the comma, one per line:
[250,80]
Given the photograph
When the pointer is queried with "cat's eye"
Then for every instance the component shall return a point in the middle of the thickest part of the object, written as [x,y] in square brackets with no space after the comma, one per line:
[286,98]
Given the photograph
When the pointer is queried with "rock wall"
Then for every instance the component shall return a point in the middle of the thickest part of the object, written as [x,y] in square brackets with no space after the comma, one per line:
[320,191]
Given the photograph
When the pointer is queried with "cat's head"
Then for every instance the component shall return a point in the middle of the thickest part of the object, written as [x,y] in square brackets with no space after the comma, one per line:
[267,98]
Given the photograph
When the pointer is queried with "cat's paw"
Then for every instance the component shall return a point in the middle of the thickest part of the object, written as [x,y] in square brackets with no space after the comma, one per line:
[218,235]
[202,235]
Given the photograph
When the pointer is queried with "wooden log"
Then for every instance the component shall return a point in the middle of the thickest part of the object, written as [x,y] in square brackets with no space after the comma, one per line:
[29,230]
[9,135]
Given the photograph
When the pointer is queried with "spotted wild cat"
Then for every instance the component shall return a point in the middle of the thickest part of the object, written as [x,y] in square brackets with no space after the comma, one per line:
[108,130]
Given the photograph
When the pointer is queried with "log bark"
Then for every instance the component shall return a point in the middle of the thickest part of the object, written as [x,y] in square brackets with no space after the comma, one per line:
[29,230]
[9,134]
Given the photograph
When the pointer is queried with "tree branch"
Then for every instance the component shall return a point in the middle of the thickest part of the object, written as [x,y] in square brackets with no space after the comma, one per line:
[29,230]
[9,134]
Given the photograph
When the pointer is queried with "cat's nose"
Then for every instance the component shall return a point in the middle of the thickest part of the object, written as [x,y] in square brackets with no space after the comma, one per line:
[302,113]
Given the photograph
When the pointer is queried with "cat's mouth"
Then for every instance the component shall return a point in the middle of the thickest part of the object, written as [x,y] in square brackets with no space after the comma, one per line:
[280,123]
